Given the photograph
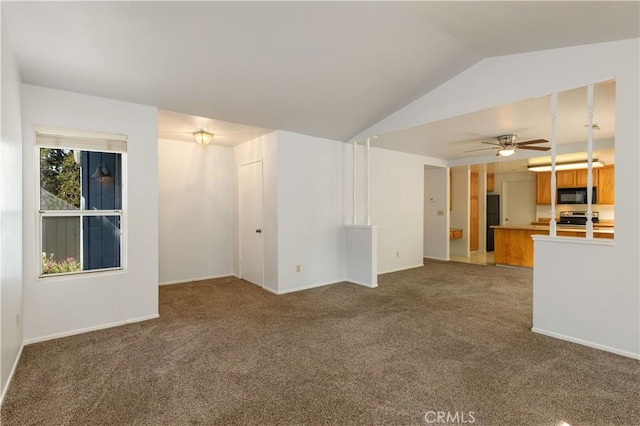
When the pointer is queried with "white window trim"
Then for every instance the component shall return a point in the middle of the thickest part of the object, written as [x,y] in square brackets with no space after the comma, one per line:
[39,214]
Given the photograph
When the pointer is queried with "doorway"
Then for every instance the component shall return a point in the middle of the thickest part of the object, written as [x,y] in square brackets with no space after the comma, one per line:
[518,202]
[250,222]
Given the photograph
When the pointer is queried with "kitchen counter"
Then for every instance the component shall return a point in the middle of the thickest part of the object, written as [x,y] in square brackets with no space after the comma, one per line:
[603,223]
[580,229]
[514,246]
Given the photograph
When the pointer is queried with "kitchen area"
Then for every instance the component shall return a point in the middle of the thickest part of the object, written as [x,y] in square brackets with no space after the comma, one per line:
[512,242]
[497,202]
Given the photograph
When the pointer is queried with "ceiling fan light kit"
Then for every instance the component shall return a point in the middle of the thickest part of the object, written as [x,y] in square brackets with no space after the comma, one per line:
[202,137]
[508,144]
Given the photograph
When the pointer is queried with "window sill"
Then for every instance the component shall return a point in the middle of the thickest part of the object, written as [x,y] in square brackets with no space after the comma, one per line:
[81,274]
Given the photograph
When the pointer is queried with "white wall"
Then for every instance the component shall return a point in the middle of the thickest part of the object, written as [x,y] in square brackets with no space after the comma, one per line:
[397,203]
[362,254]
[196,205]
[397,208]
[505,79]
[310,232]
[460,209]
[436,200]
[265,149]
[58,306]
[10,215]
[511,177]
[566,308]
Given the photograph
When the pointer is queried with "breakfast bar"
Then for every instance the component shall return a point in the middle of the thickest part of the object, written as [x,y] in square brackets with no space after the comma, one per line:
[514,245]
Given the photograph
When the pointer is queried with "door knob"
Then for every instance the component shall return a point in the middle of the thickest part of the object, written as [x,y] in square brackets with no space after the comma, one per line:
[259,231]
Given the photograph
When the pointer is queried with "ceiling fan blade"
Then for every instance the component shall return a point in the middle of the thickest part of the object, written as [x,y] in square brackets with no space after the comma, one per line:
[491,143]
[531,142]
[535,148]
[480,149]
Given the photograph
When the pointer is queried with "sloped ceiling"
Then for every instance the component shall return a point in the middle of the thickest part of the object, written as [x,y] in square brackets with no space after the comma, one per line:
[327,69]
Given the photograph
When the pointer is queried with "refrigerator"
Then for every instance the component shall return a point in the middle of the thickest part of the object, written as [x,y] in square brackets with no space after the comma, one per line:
[493,218]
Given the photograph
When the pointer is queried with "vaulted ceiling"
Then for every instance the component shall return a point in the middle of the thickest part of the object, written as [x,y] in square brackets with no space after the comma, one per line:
[327,69]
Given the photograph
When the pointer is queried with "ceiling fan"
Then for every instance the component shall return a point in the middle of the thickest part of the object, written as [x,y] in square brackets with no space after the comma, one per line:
[507,145]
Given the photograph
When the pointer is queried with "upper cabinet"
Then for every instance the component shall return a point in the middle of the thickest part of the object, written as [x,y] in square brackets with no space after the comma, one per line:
[606,181]
[603,179]
[574,178]
[543,188]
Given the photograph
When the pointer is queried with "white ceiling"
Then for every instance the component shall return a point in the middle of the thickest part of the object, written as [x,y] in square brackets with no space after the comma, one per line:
[180,127]
[529,119]
[327,69]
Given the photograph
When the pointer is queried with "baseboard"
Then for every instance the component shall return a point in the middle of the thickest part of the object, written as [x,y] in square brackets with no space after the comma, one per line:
[190,280]
[13,370]
[306,287]
[270,290]
[524,268]
[586,343]
[401,269]
[368,285]
[438,258]
[88,329]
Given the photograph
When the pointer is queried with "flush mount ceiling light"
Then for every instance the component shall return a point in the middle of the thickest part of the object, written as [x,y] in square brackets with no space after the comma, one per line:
[505,152]
[202,137]
[571,165]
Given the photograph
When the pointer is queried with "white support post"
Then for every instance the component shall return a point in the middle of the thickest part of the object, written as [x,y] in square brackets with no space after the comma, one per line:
[367,164]
[355,152]
[554,110]
[590,162]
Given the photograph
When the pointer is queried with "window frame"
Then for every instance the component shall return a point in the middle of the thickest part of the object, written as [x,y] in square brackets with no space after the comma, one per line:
[41,214]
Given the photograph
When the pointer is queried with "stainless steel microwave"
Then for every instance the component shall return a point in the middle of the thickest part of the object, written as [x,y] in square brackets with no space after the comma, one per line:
[575,196]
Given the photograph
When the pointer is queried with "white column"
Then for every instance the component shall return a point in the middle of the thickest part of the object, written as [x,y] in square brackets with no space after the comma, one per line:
[355,149]
[367,164]
[554,110]
[590,161]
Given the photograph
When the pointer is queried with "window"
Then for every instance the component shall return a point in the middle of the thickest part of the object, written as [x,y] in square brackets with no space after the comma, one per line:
[81,201]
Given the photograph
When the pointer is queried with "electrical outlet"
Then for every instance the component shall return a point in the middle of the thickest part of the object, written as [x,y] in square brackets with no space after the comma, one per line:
[17,320]
[397,254]
[298,268]
[440,212]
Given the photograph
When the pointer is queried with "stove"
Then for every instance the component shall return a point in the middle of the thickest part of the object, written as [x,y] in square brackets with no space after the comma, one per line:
[576,218]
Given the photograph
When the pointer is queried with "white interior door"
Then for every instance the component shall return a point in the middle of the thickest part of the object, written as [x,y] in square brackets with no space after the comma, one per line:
[518,203]
[250,212]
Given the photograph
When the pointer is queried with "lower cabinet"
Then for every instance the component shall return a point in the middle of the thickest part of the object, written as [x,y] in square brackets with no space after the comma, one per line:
[514,247]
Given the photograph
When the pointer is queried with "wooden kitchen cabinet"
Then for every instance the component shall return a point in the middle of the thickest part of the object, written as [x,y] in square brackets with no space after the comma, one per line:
[543,188]
[514,245]
[602,179]
[574,178]
[581,177]
[606,185]
[565,178]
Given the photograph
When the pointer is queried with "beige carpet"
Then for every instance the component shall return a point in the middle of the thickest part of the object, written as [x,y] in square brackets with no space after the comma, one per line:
[445,337]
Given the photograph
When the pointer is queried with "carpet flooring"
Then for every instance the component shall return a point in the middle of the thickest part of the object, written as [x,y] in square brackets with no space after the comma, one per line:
[447,337]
